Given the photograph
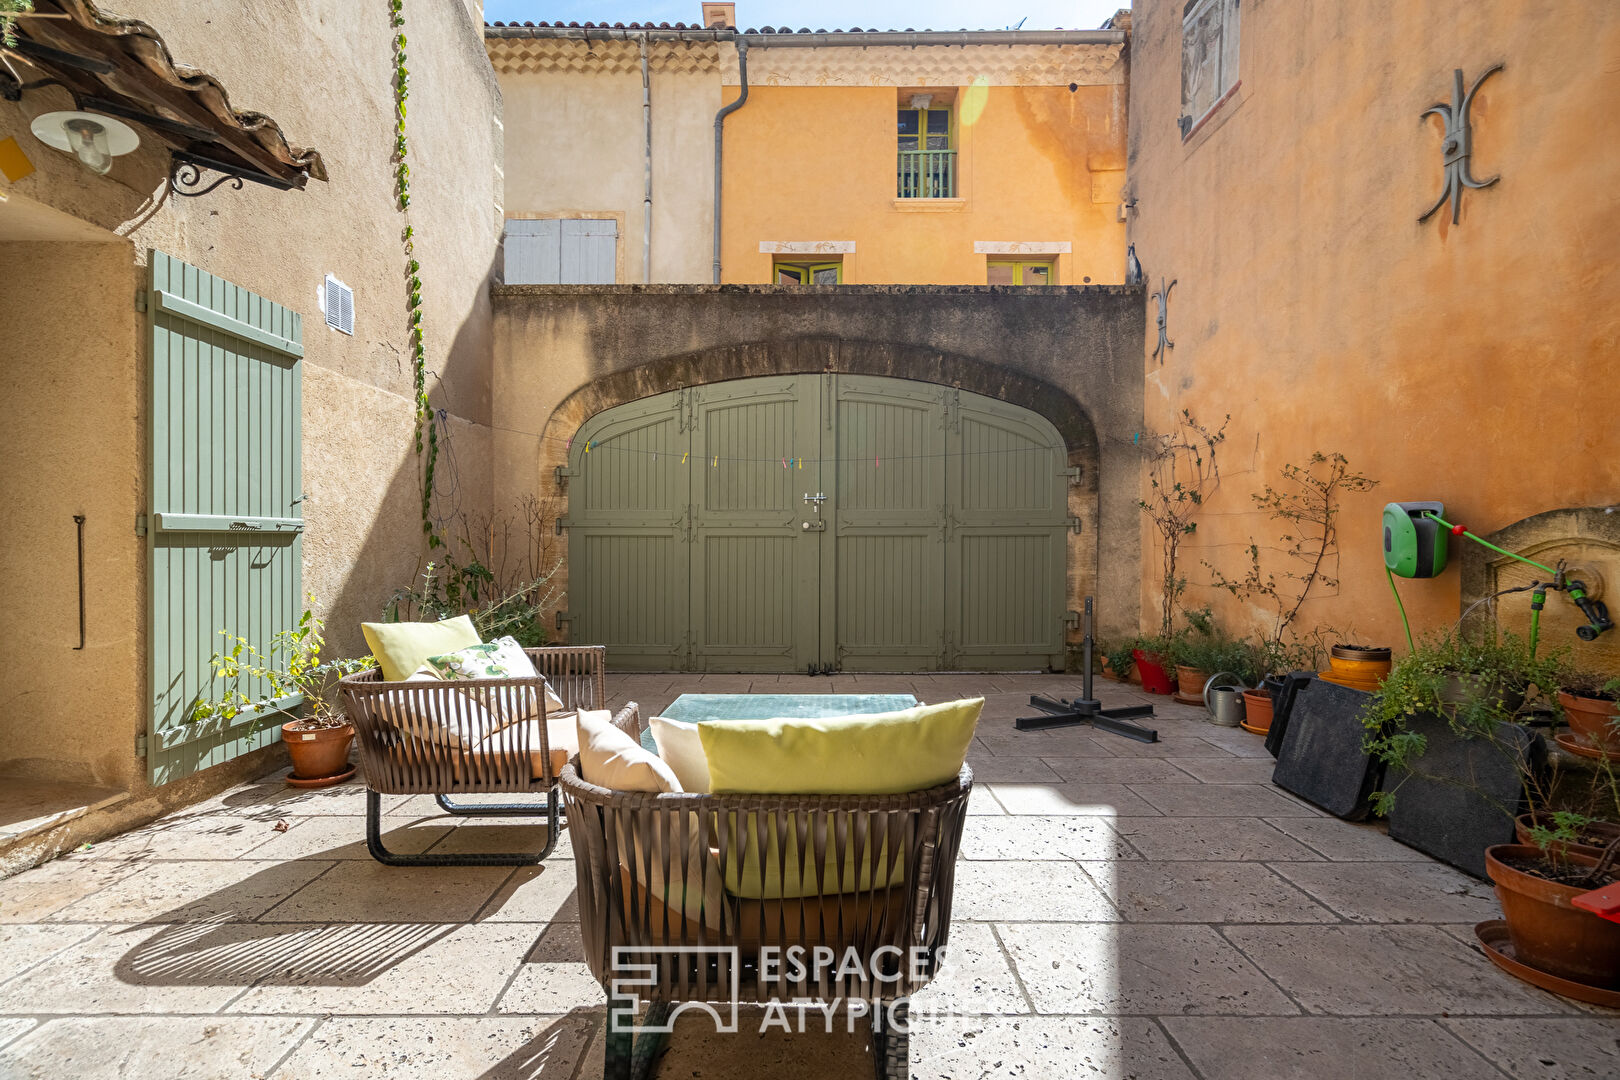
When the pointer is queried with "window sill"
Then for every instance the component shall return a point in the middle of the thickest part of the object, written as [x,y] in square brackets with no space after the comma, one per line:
[1212,112]
[929,206]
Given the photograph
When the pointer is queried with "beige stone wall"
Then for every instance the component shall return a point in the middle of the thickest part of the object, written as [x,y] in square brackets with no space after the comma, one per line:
[323,72]
[69,446]
[575,145]
[1468,363]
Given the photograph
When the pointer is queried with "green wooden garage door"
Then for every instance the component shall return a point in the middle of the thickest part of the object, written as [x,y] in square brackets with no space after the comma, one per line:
[806,521]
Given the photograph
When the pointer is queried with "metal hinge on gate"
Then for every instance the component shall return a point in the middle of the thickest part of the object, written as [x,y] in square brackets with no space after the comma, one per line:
[563,617]
[563,523]
[140,524]
[563,472]
[140,745]
[1074,525]
[140,299]
[1071,620]
[1074,473]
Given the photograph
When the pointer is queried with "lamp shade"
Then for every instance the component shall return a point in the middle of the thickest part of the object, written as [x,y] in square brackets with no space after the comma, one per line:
[96,139]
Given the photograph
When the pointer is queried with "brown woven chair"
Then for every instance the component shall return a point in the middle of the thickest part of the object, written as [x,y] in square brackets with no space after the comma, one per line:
[455,738]
[881,870]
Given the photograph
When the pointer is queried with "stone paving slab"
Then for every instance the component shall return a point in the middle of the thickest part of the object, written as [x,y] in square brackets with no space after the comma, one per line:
[124,1047]
[1322,1048]
[417,1048]
[1124,911]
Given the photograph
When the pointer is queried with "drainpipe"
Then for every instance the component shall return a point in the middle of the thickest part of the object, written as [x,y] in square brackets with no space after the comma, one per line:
[646,167]
[719,137]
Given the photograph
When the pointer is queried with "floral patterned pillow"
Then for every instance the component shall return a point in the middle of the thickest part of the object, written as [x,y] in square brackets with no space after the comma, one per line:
[502,658]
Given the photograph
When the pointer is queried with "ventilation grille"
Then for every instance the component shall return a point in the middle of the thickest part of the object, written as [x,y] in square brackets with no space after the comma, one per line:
[339,305]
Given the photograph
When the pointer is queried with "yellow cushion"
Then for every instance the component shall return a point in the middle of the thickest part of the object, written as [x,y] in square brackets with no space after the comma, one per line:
[879,754]
[402,647]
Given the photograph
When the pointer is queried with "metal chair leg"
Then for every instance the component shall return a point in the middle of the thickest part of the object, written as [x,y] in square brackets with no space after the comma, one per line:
[493,809]
[891,1043]
[374,844]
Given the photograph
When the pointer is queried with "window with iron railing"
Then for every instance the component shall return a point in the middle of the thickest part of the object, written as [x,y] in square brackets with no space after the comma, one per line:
[927,159]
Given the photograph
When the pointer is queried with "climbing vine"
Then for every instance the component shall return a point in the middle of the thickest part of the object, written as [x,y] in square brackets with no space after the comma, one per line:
[427,434]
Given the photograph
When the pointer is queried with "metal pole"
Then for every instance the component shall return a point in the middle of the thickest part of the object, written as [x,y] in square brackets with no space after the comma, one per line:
[1086,645]
[78,523]
[647,165]
[719,142]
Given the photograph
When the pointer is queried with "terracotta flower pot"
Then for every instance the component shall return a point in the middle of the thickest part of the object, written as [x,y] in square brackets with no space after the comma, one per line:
[1154,678]
[1592,718]
[1548,933]
[1602,831]
[1108,672]
[317,752]
[1190,681]
[1257,711]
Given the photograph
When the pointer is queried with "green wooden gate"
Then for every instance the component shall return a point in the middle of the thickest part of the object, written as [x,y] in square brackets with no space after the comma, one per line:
[225,484]
[803,521]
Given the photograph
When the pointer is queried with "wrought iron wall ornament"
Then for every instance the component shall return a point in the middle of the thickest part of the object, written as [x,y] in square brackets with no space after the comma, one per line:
[186,169]
[1458,143]
[1162,298]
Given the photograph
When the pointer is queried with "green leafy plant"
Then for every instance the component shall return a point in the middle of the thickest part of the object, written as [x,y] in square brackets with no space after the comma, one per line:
[1475,686]
[1307,507]
[426,431]
[1182,474]
[500,569]
[9,10]
[287,678]
[1120,656]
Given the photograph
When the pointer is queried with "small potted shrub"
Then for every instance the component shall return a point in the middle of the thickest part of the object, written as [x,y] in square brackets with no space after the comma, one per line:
[1536,888]
[1591,704]
[1151,657]
[1118,660]
[288,680]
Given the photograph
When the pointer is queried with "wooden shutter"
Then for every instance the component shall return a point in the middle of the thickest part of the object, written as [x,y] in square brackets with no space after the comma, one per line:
[533,251]
[226,492]
[590,248]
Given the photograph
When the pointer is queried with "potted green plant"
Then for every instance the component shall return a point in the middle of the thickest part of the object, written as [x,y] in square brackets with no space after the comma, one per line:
[1447,719]
[288,679]
[1117,659]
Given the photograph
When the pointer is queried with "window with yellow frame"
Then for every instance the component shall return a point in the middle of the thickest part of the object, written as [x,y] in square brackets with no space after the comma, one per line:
[1010,272]
[804,273]
[927,142]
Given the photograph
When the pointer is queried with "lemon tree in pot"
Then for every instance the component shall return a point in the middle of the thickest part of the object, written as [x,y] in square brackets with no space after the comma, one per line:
[287,680]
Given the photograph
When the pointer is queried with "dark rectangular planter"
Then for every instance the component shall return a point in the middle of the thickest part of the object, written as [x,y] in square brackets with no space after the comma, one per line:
[1321,759]
[1462,795]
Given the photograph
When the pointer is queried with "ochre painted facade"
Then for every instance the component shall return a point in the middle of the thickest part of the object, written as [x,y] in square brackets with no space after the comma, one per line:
[1469,363]
[1037,165]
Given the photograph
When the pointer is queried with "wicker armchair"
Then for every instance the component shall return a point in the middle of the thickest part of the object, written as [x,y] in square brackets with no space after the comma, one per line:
[426,737]
[881,871]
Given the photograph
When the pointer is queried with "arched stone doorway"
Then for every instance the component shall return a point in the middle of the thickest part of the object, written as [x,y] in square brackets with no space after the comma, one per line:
[956,531]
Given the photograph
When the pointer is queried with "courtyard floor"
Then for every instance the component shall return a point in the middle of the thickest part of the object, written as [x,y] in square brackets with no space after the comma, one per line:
[1152,912]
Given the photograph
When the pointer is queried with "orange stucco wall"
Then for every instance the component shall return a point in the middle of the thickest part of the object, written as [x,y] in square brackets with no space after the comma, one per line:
[1471,363]
[1038,163]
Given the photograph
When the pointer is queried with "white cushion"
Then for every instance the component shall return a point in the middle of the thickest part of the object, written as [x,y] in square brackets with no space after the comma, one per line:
[611,759]
[502,658]
[682,750]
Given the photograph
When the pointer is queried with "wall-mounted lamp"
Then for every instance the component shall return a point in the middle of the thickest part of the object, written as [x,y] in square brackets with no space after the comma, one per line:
[93,138]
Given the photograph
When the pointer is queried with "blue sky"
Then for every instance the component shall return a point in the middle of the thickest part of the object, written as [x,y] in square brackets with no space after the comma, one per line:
[828,14]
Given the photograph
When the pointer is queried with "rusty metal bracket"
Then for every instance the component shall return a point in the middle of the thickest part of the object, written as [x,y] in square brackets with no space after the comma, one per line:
[1458,143]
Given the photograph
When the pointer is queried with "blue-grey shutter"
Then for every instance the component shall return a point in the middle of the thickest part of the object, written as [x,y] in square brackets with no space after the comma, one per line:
[533,252]
[224,521]
[590,251]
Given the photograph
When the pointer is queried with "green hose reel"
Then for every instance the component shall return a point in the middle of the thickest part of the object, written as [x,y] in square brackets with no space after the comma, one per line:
[1415,544]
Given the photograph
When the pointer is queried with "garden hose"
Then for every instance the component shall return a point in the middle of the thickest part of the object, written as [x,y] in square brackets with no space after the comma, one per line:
[1391,575]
